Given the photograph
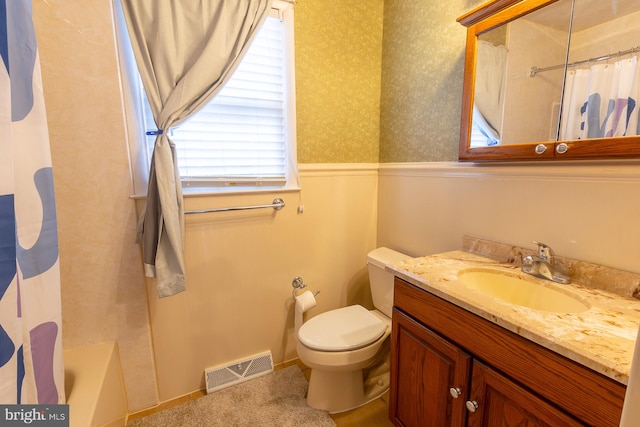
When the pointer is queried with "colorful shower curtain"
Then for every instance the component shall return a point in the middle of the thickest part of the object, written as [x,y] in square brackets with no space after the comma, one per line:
[602,101]
[31,367]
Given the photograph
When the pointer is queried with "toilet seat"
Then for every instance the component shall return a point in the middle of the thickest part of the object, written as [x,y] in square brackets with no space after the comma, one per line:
[342,329]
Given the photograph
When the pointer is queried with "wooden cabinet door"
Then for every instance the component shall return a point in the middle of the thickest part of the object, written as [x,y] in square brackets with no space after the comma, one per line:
[502,403]
[424,367]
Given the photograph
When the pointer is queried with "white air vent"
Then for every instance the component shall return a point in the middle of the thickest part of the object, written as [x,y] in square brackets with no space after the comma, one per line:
[231,373]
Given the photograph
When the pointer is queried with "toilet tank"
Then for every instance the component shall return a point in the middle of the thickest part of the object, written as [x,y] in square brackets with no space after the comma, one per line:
[380,280]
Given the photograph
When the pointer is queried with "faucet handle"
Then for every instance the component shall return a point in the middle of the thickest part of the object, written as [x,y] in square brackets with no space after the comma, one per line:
[545,252]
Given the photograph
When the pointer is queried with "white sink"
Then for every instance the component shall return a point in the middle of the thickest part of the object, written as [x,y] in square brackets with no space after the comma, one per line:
[517,291]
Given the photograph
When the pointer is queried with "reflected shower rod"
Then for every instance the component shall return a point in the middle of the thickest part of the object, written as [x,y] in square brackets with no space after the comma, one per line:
[535,70]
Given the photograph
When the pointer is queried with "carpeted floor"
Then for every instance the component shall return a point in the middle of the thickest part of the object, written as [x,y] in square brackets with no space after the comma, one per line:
[276,399]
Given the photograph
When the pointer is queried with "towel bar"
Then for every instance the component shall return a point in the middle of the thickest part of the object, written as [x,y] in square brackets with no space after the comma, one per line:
[277,204]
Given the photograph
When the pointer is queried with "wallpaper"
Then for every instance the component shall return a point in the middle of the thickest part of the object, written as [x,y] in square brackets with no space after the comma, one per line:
[338,48]
[379,80]
[422,72]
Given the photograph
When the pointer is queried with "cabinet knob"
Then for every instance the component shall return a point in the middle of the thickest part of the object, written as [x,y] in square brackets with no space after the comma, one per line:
[455,392]
[540,148]
[562,148]
[472,405]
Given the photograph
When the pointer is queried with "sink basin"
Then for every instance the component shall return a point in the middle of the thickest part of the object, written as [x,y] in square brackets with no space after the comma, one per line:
[517,291]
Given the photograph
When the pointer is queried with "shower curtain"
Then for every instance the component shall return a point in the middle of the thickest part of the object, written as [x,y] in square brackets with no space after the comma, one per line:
[602,101]
[31,367]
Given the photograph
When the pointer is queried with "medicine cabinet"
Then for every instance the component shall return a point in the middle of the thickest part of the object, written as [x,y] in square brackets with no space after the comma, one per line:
[551,80]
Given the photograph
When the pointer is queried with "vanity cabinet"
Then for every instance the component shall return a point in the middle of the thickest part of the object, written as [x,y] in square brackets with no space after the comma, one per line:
[450,367]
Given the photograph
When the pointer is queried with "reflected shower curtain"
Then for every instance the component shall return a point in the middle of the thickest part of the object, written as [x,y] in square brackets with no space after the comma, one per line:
[489,94]
[602,101]
[31,367]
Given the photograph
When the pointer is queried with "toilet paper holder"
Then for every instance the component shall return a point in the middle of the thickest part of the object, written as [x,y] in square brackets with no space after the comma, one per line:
[299,284]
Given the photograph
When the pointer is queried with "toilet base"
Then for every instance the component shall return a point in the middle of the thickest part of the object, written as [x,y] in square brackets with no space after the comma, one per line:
[341,391]
[337,392]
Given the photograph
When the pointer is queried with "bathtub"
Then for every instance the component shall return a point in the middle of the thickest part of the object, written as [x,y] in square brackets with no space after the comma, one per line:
[94,386]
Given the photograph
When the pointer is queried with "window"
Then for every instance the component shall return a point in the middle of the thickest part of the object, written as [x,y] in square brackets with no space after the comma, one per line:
[244,138]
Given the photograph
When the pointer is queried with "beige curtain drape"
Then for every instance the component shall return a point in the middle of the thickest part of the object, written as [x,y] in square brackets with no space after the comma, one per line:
[185,51]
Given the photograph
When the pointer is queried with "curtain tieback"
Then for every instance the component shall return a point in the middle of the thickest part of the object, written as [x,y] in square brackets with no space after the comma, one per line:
[154,132]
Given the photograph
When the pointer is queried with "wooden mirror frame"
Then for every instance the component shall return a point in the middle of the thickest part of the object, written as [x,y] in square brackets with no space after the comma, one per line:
[493,14]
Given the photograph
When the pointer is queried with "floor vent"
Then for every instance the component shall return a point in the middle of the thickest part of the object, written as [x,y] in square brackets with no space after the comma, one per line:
[232,373]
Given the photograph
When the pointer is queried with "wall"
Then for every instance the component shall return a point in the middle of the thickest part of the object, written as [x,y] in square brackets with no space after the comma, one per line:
[103,293]
[338,61]
[612,36]
[538,98]
[239,266]
[583,210]
[422,67]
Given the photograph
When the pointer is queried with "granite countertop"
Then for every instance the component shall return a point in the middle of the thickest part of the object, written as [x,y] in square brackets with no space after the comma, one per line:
[602,337]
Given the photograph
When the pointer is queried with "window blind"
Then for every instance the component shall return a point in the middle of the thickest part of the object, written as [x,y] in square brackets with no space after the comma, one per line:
[239,136]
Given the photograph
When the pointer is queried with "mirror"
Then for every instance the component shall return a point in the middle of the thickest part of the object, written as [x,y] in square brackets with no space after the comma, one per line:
[504,88]
[602,76]
[551,79]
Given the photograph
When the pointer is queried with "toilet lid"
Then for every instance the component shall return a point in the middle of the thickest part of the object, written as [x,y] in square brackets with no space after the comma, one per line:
[342,329]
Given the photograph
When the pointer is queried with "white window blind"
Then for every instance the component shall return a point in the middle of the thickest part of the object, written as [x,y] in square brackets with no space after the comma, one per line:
[240,137]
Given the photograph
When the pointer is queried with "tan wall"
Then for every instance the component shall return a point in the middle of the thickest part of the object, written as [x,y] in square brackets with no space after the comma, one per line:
[610,37]
[103,288]
[531,44]
[239,271]
[583,211]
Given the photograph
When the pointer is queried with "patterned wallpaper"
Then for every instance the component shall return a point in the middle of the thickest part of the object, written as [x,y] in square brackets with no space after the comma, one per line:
[379,80]
[338,62]
[422,72]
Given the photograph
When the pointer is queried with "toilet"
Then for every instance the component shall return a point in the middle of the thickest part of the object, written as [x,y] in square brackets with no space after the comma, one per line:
[348,349]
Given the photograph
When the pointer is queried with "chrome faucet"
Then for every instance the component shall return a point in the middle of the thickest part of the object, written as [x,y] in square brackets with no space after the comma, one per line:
[543,265]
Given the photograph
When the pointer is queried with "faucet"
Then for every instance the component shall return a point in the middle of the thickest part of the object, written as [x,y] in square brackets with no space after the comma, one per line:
[543,265]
